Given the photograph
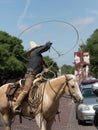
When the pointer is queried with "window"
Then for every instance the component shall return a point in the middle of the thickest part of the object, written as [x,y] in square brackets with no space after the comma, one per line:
[87,92]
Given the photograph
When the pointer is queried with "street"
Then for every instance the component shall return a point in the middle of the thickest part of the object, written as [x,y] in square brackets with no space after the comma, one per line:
[65,121]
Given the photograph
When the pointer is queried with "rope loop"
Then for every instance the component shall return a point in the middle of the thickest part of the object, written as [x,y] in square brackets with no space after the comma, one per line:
[48,75]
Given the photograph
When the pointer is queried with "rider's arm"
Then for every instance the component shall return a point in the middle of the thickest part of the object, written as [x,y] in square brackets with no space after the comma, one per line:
[44,48]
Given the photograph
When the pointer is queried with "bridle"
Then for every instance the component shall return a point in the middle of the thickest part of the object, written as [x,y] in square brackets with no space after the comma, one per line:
[67,85]
[63,87]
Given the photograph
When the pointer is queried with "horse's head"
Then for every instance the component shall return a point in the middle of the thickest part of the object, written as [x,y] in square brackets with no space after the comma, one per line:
[72,88]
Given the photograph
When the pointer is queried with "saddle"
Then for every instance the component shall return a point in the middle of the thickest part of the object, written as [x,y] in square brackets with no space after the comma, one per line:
[15,89]
[34,97]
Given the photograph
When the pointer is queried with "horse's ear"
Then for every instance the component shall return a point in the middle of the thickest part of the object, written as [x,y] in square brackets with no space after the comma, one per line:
[69,77]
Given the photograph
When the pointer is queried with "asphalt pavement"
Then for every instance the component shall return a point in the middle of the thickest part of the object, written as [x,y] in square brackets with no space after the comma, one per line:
[65,121]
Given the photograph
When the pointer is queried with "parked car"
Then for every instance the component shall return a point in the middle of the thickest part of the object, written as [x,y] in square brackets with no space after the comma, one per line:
[95,90]
[85,112]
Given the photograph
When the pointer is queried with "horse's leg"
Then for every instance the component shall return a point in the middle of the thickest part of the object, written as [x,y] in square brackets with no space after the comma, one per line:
[49,123]
[8,118]
[6,121]
[40,121]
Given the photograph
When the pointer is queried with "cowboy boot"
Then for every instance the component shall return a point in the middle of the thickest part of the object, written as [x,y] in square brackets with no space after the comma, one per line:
[18,101]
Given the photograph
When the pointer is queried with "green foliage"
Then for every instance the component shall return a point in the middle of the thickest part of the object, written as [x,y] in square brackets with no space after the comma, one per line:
[52,65]
[92,47]
[67,69]
[12,63]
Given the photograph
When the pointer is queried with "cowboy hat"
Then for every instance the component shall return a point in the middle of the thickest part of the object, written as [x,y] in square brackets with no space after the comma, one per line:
[33,45]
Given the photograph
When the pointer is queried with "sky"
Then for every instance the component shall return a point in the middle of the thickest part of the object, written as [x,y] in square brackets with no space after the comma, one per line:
[63,22]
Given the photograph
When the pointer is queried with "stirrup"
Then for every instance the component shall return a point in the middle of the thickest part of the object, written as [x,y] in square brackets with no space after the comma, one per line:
[58,112]
[17,110]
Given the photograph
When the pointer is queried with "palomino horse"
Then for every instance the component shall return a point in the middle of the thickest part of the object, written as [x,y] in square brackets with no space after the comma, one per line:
[51,92]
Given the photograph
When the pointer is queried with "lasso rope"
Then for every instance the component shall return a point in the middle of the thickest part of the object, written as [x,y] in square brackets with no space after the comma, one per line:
[57,21]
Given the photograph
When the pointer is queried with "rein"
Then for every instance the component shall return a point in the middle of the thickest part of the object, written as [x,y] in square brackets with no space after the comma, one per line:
[70,91]
[53,88]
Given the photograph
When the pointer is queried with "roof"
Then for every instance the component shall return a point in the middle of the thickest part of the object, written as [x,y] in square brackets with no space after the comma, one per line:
[90,81]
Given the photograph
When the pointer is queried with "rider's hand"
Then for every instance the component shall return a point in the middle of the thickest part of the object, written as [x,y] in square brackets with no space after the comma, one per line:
[46,70]
[49,43]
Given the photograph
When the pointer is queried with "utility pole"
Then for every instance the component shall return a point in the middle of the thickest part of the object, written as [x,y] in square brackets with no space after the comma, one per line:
[81,61]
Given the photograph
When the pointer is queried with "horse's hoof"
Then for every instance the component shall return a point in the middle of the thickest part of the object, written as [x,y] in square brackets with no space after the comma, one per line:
[58,112]
[17,111]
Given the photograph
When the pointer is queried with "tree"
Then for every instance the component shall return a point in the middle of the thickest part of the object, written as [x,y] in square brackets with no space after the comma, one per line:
[67,69]
[52,66]
[92,47]
[12,63]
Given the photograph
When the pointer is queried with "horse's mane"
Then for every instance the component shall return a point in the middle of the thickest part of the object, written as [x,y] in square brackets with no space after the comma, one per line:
[63,76]
[71,75]
[59,77]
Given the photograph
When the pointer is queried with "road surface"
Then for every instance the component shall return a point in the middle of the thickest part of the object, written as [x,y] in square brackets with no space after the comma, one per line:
[66,121]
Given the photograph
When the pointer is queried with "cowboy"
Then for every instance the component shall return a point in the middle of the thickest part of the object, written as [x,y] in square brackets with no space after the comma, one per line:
[35,66]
